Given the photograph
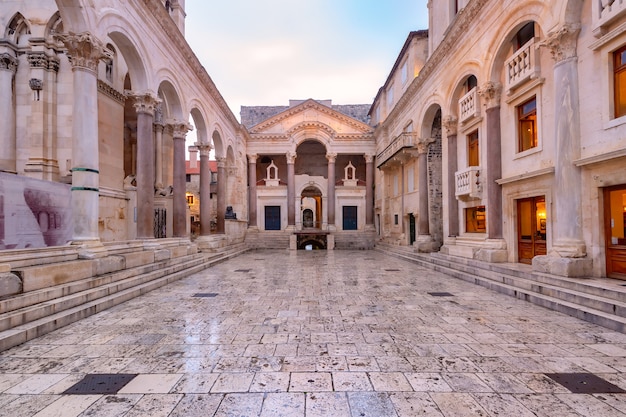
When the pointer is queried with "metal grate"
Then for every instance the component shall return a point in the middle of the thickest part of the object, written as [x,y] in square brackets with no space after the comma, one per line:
[160,223]
[441,294]
[243,270]
[392,270]
[205,294]
[100,384]
[582,383]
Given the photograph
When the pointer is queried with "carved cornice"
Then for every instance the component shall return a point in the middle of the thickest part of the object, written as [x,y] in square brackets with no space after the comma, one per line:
[311,104]
[84,49]
[8,62]
[490,92]
[562,42]
[145,102]
[43,61]
[111,92]
[313,124]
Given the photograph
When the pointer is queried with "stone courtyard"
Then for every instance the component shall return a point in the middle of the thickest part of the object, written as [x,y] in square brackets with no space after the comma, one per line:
[317,333]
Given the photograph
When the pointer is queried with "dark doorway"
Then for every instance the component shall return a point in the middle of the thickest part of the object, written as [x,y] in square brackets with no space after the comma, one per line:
[531,228]
[411,228]
[349,218]
[272,217]
[615,231]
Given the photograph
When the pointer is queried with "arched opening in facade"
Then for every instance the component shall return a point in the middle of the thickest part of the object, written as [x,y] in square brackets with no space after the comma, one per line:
[311,208]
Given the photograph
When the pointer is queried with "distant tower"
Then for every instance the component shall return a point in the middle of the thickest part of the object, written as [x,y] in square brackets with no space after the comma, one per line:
[176,9]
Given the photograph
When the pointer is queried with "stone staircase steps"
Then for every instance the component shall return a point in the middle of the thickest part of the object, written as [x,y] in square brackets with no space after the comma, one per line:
[589,300]
[33,314]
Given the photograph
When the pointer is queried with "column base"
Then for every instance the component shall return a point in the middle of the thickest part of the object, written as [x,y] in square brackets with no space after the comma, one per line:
[425,244]
[293,242]
[330,242]
[568,248]
[90,249]
[211,242]
[493,251]
[565,267]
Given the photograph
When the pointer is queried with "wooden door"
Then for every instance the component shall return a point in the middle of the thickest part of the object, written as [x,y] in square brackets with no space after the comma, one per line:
[272,217]
[531,228]
[615,231]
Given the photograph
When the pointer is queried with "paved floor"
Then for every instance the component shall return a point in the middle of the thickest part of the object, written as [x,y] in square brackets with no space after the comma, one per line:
[319,334]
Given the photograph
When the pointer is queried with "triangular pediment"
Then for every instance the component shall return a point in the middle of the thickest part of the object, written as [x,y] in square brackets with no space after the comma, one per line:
[308,115]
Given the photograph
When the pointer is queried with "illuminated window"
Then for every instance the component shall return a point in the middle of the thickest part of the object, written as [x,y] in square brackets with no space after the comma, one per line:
[190,199]
[619,79]
[527,125]
[473,156]
[475,220]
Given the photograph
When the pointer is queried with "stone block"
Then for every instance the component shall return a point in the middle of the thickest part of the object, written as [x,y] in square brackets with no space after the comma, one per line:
[565,267]
[44,276]
[138,258]
[109,264]
[163,254]
[492,255]
[10,284]
[463,251]
[178,251]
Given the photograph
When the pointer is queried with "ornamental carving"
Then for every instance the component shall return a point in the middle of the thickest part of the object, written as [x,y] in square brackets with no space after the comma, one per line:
[180,129]
[291,157]
[332,157]
[204,148]
[84,49]
[221,162]
[450,123]
[369,158]
[490,92]
[422,144]
[8,62]
[562,42]
[144,102]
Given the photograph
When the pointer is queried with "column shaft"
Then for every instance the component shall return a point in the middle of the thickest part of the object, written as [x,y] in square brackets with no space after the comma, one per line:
[221,194]
[494,172]
[423,227]
[145,176]
[205,191]
[453,205]
[291,193]
[8,67]
[369,190]
[180,199]
[331,189]
[252,219]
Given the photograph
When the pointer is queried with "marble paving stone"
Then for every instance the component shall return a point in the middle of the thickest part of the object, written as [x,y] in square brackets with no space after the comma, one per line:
[9,380]
[371,404]
[465,382]
[414,404]
[310,382]
[588,405]
[155,405]
[232,382]
[389,382]
[151,384]
[546,405]
[199,383]
[351,381]
[26,405]
[427,382]
[35,384]
[457,404]
[68,406]
[197,405]
[283,404]
[240,405]
[504,383]
[112,405]
[324,404]
[502,405]
[270,382]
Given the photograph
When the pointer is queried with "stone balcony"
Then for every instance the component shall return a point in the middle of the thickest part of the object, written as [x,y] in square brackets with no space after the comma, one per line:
[604,13]
[468,185]
[405,140]
[522,66]
[469,106]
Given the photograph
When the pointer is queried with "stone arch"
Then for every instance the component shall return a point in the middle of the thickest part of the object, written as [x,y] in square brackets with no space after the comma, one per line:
[571,11]
[459,89]
[312,196]
[199,121]
[218,143]
[171,104]
[76,16]
[311,158]
[311,130]
[18,30]
[54,26]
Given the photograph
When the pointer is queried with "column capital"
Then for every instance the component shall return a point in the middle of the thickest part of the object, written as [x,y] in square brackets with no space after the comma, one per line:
[369,158]
[252,157]
[562,42]
[331,156]
[450,123]
[490,92]
[221,162]
[179,128]
[8,62]
[422,144]
[145,102]
[291,157]
[203,147]
[84,49]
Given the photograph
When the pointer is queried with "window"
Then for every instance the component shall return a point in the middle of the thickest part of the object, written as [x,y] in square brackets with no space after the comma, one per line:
[527,125]
[524,35]
[410,176]
[187,177]
[390,97]
[470,83]
[473,157]
[395,219]
[404,71]
[619,79]
[475,220]
[190,200]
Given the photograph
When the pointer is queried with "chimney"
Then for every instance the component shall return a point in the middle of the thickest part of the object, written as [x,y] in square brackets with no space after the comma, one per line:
[193,157]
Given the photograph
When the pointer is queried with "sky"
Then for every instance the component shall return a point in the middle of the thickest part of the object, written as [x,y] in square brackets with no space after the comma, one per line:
[266,52]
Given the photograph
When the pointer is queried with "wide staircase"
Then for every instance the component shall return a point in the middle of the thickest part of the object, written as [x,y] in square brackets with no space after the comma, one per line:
[599,301]
[56,287]
[275,239]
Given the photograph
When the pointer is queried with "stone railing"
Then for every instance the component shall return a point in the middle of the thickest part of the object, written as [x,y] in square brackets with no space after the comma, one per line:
[468,183]
[605,12]
[468,106]
[403,140]
[522,66]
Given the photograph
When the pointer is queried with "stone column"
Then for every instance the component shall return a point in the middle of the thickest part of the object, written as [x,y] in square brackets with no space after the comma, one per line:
[450,124]
[423,222]
[252,221]
[158,142]
[205,189]
[221,194]
[291,190]
[8,67]
[369,191]
[332,157]
[85,51]
[567,256]
[494,249]
[180,130]
[145,104]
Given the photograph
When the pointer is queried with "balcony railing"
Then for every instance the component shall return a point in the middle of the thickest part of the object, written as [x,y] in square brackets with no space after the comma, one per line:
[468,106]
[468,184]
[605,12]
[403,140]
[522,65]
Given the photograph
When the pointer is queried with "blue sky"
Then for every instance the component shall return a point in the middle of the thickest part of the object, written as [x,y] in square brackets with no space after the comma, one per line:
[265,52]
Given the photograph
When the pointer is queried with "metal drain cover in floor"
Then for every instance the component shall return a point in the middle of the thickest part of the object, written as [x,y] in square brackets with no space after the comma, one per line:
[205,294]
[243,270]
[100,384]
[582,383]
[441,294]
[392,270]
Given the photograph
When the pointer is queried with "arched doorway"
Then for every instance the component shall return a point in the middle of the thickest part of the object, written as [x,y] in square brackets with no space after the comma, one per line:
[311,208]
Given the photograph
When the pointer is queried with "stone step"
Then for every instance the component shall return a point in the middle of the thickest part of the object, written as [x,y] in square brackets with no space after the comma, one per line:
[21,325]
[607,312]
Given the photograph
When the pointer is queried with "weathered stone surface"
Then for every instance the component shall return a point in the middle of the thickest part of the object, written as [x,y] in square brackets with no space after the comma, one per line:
[38,277]
[10,284]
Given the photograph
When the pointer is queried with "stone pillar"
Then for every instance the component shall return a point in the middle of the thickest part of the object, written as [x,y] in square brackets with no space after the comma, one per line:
[145,104]
[8,67]
[450,124]
[423,241]
[252,221]
[221,194]
[369,191]
[85,51]
[179,226]
[494,249]
[567,256]
[291,190]
[158,143]
[332,157]
[205,189]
